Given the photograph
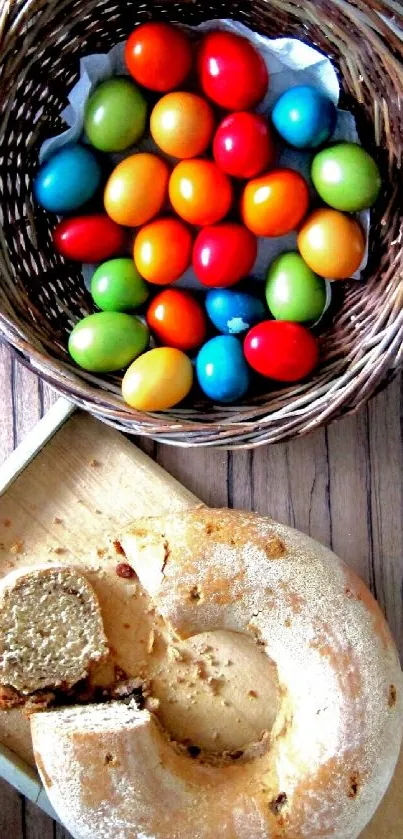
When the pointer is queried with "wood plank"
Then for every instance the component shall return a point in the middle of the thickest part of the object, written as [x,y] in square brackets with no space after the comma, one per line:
[349,488]
[60,832]
[36,823]
[7,439]
[47,395]
[146,445]
[11,813]
[288,482]
[386,504]
[366,499]
[26,401]
[205,472]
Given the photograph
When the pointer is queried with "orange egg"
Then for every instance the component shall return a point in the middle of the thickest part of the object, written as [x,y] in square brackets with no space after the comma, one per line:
[177,319]
[275,203]
[200,192]
[158,379]
[332,244]
[182,124]
[163,250]
[136,189]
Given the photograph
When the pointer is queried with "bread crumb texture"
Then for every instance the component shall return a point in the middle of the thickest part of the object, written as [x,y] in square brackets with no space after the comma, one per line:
[51,629]
[17,547]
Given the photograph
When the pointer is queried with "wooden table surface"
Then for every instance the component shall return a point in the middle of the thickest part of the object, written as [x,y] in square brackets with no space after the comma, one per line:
[343,485]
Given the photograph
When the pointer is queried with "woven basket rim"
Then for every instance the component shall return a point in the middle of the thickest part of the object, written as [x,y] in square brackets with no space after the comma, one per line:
[314,403]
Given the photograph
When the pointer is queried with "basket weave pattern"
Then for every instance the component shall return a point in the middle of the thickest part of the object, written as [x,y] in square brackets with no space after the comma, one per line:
[42,296]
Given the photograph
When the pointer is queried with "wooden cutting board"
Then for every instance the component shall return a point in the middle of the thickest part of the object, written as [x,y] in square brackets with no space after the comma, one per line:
[84,483]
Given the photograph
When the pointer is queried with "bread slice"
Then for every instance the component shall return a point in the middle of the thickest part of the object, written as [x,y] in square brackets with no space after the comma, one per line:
[111,771]
[51,629]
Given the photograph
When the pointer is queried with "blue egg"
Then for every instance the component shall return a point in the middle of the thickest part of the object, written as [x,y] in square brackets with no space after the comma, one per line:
[233,312]
[304,117]
[222,370]
[68,179]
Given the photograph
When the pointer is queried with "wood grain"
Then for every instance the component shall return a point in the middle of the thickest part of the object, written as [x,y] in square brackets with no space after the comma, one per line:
[343,485]
[11,812]
[37,824]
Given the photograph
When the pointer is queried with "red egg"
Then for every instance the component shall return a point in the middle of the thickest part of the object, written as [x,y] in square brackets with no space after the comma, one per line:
[223,254]
[158,55]
[231,71]
[88,238]
[177,319]
[281,350]
[243,145]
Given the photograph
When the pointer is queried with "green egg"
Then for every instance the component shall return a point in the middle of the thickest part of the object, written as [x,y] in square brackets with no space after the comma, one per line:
[117,286]
[346,177]
[293,291]
[115,115]
[107,341]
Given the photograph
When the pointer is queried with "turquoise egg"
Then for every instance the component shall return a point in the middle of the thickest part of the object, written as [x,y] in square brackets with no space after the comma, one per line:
[221,369]
[107,341]
[232,311]
[304,117]
[68,179]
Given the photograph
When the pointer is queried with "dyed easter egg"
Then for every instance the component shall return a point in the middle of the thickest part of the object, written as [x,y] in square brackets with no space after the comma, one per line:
[158,380]
[158,55]
[163,250]
[304,117]
[200,192]
[115,115]
[332,244]
[223,254]
[243,145]
[346,177]
[88,238]
[232,311]
[293,291]
[136,189]
[68,179]
[280,350]
[117,286]
[275,203]
[232,73]
[177,319]
[221,369]
[182,124]
[107,341]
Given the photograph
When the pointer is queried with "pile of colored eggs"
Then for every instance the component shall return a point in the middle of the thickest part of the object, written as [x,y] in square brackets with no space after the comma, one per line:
[206,210]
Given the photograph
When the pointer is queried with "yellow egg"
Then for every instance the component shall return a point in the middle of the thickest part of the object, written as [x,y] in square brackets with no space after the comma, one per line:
[157,380]
[136,189]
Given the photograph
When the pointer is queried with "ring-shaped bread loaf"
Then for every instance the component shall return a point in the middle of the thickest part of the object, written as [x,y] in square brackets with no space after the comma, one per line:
[111,772]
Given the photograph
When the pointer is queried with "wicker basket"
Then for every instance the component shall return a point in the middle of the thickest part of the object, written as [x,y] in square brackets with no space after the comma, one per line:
[41,296]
